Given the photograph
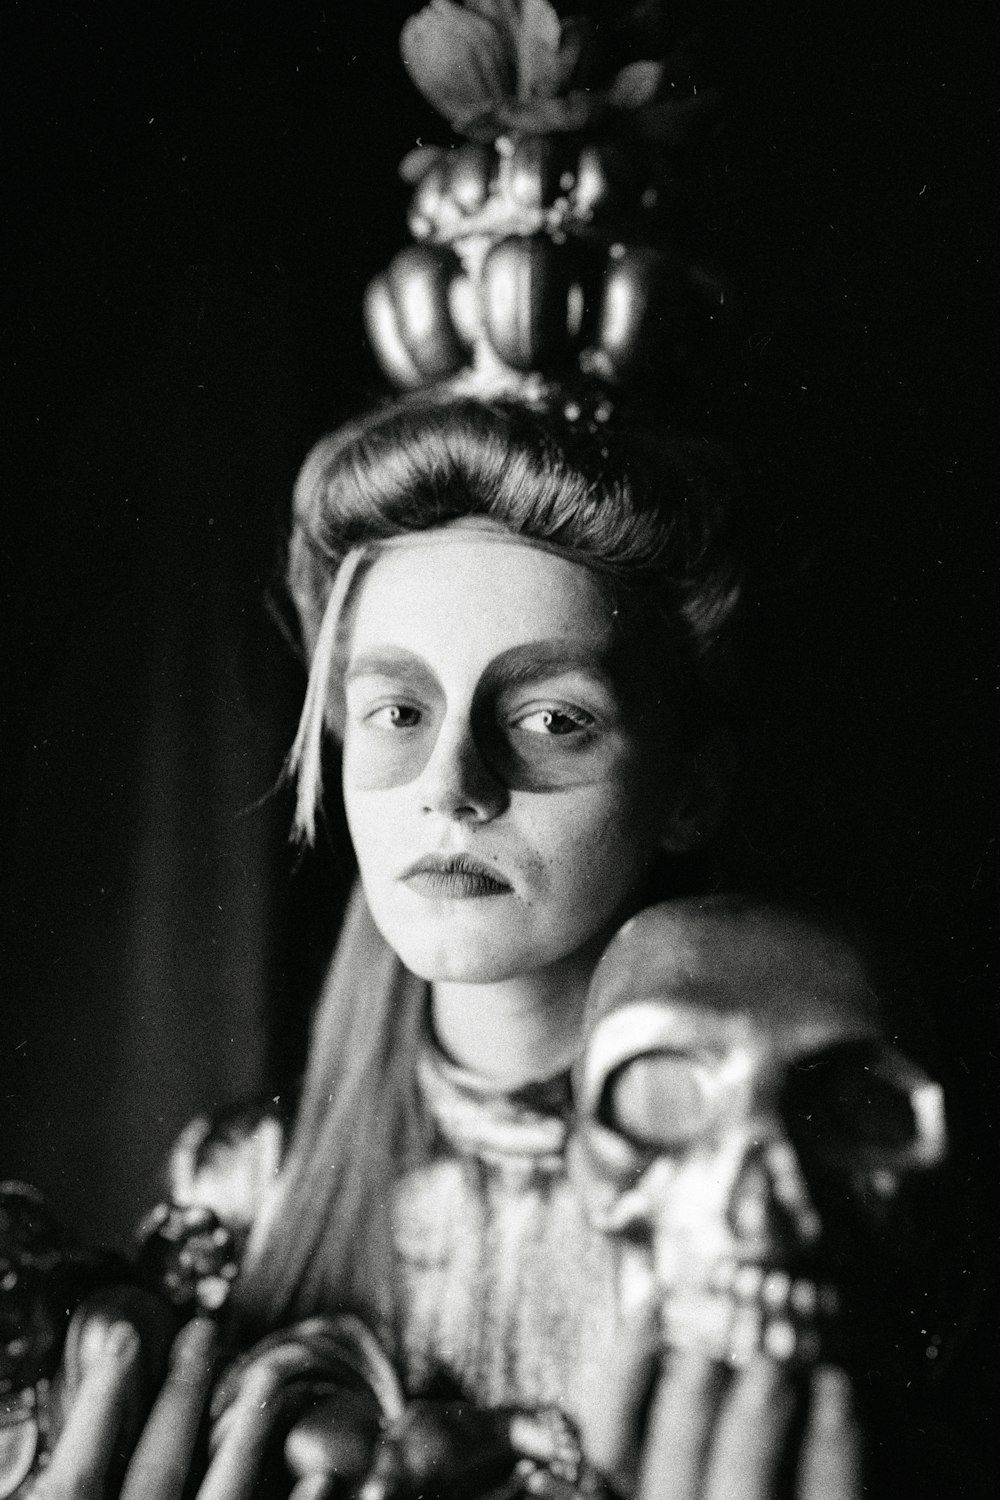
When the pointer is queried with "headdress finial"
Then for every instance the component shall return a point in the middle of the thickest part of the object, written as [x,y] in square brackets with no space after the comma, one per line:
[548,245]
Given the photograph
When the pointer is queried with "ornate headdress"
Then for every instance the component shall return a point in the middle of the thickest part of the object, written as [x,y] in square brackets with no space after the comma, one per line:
[550,266]
[550,242]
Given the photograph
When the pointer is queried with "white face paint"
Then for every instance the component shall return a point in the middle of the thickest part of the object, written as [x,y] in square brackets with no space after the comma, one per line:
[505,791]
[746,1122]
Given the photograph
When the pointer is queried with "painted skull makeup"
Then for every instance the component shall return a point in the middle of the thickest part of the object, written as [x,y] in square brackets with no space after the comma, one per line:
[749,1130]
[492,750]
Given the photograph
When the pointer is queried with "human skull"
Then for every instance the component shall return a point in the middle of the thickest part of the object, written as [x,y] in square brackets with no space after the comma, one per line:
[749,1128]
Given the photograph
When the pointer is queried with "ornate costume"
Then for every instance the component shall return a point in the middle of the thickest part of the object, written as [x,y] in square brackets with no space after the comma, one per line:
[546,274]
[506,1292]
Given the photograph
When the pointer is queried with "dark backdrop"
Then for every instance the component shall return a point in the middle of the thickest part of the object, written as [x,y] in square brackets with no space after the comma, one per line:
[194,199]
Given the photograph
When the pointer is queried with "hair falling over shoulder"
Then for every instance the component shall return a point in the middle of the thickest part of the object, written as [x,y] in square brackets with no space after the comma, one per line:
[323,1242]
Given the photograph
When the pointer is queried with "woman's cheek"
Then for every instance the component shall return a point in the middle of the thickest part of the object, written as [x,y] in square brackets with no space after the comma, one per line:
[374,821]
[596,848]
[379,761]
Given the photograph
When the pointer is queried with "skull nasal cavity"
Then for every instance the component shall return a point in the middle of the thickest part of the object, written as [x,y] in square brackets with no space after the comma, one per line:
[756,1212]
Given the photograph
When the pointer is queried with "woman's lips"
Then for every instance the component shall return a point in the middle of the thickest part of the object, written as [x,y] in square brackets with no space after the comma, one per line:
[457,877]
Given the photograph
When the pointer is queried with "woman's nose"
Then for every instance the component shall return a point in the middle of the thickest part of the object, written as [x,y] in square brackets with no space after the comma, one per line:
[457,781]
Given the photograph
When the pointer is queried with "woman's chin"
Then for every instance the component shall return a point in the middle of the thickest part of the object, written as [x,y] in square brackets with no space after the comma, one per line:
[456,962]
[473,942]
[465,947]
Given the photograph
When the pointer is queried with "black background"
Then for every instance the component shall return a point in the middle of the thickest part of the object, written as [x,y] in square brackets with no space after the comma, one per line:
[195,197]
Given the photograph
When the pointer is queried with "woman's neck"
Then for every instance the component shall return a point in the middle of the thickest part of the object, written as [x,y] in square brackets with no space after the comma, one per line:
[519,1030]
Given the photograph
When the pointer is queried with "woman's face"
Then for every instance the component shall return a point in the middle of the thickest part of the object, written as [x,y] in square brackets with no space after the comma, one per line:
[504,771]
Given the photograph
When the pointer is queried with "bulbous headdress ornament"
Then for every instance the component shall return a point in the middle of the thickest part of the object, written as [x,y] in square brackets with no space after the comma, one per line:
[549,243]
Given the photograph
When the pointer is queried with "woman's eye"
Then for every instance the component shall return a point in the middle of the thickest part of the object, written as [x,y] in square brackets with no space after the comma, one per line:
[394,716]
[555,721]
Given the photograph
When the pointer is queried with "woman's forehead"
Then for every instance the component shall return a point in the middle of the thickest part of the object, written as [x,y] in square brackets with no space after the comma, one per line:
[461,590]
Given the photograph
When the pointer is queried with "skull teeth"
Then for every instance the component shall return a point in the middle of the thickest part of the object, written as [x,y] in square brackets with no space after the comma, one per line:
[804,1297]
[746,1309]
[747,1282]
[779,1339]
[775,1289]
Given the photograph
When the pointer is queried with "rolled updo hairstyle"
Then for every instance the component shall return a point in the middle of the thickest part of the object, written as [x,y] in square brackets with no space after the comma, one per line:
[653,516]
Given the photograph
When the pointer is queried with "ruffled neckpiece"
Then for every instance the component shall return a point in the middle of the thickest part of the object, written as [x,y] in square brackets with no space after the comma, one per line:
[476,1116]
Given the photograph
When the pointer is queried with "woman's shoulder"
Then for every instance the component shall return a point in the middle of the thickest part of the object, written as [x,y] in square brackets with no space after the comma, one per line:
[228,1162]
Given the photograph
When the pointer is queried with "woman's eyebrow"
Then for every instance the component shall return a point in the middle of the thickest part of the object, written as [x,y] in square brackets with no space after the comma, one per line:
[538,659]
[382,661]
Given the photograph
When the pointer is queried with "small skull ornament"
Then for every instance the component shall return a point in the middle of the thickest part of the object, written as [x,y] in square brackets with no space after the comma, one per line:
[749,1128]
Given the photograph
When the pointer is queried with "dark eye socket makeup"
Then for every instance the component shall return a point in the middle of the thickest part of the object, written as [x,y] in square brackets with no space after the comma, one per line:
[545,688]
[546,715]
[391,666]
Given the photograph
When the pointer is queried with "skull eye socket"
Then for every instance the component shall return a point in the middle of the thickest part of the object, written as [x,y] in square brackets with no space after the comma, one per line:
[659,1099]
[855,1094]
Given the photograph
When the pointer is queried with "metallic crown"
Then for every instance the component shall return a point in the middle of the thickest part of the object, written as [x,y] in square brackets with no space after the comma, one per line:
[549,246]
